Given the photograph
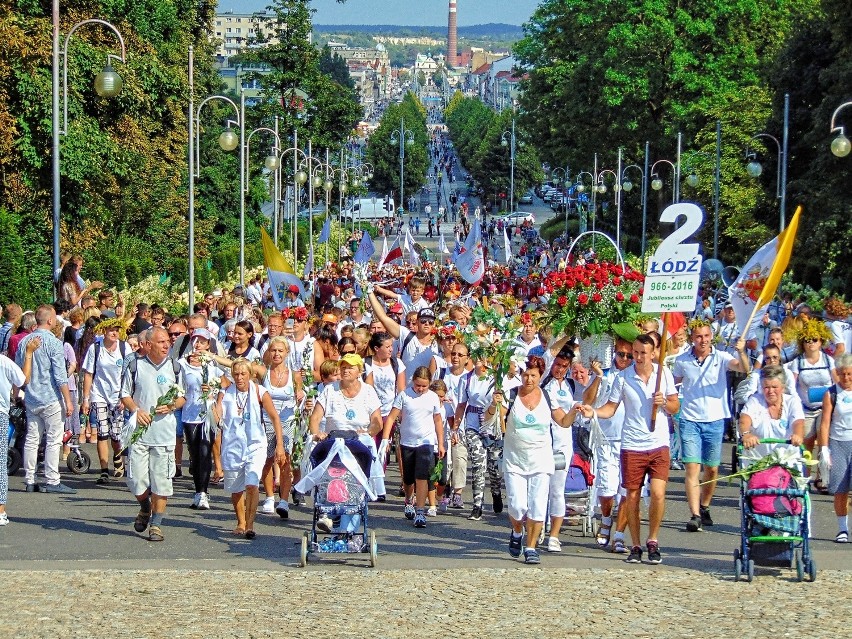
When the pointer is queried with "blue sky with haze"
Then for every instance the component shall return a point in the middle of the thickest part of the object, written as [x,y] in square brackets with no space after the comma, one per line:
[404,12]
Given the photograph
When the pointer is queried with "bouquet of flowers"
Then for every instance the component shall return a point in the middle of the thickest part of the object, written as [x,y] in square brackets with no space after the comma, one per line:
[593,299]
[790,457]
[310,388]
[361,273]
[295,312]
[490,337]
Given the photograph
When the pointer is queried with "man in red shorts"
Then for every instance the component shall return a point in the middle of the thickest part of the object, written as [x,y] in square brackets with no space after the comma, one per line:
[643,451]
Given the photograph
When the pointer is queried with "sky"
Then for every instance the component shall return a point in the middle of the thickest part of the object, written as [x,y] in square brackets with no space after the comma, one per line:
[403,12]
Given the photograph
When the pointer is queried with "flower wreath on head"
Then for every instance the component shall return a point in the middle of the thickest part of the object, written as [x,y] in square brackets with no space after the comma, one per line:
[113,322]
[698,322]
[295,312]
[809,329]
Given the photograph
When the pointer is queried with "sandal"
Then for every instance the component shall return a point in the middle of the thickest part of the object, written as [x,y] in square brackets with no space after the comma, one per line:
[842,537]
[618,547]
[155,534]
[217,479]
[238,532]
[141,521]
[602,536]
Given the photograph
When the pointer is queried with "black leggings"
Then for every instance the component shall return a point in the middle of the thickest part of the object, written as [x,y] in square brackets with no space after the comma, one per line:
[201,452]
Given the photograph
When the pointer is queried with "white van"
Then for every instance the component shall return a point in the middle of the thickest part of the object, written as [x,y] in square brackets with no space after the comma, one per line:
[369,210]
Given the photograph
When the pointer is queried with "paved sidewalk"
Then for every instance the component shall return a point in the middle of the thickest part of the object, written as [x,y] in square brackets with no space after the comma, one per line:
[639,603]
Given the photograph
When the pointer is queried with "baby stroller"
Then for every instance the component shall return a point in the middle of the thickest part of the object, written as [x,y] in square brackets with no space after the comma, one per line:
[774,526]
[341,492]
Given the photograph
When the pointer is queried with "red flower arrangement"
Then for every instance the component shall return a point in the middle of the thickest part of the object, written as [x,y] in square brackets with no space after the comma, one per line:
[593,299]
[295,312]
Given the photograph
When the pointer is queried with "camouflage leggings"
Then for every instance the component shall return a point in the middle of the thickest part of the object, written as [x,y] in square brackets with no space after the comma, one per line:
[480,459]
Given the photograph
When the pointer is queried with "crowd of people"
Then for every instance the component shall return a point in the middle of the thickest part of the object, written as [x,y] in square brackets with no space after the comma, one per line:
[243,395]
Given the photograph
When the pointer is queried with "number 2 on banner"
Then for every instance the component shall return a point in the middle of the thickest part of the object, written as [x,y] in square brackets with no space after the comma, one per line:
[694,218]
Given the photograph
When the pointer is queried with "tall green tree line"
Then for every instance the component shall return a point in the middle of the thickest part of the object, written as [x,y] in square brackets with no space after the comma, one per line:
[124,160]
[604,74]
[478,134]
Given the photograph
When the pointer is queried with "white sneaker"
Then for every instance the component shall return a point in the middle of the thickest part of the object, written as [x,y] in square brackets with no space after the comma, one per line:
[325,524]
[554,545]
[4,519]
[195,500]
[268,506]
[203,502]
[432,512]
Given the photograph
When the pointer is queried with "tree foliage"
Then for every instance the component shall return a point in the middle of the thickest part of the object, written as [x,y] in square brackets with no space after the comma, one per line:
[478,134]
[604,74]
[383,154]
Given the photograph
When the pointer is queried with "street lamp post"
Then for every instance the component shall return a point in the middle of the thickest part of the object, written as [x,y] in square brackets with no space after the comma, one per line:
[108,84]
[404,137]
[627,186]
[840,145]
[754,168]
[657,183]
[271,162]
[228,141]
[510,142]
[565,180]
[299,178]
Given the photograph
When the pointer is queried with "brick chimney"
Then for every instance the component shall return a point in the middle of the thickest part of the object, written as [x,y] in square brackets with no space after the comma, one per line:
[452,37]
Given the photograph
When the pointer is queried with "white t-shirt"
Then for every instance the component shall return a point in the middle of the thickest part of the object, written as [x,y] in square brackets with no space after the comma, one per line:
[812,380]
[417,422]
[764,427]
[478,393]
[841,416]
[637,396]
[841,333]
[192,379]
[415,354]
[342,413]
[561,397]
[611,428]
[152,383]
[704,385]
[10,375]
[297,350]
[106,381]
[408,305]
[525,348]
[384,381]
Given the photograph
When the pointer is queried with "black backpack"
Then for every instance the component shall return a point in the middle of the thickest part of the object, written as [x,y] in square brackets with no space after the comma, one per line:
[368,361]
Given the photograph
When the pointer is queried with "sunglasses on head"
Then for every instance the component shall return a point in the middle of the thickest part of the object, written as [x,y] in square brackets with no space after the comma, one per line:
[811,340]
[625,354]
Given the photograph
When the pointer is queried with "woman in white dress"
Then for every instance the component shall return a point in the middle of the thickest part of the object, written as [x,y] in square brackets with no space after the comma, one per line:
[528,455]
[244,442]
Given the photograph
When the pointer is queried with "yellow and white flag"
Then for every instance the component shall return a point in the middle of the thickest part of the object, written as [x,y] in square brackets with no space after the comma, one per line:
[759,279]
[281,274]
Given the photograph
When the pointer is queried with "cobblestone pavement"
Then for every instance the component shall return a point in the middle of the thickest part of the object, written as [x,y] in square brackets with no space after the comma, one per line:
[517,602]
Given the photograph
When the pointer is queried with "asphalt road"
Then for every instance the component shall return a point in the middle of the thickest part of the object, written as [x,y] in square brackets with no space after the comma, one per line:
[94,529]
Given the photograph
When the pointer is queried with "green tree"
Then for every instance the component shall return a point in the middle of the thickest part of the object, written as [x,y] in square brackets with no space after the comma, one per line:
[334,66]
[384,154]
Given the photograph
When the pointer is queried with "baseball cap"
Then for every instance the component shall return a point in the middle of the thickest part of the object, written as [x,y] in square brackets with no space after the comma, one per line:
[202,332]
[330,318]
[340,304]
[426,313]
[729,305]
[293,289]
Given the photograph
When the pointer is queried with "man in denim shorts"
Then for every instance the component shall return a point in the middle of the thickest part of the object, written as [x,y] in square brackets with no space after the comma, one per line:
[702,371]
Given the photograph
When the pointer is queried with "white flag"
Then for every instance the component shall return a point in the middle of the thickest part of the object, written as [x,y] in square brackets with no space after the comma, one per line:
[384,250]
[507,246]
[442,244]
[471,263]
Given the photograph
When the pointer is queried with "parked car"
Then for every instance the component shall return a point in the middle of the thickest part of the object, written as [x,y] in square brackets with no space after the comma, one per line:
[518,217]
[526,198]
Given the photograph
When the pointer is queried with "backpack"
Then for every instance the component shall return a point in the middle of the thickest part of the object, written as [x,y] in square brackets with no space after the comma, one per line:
[513,395]
[773,479]
[122,348]
[405,343]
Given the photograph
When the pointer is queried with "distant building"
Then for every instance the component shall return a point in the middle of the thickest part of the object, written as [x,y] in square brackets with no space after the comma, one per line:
[233,32]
